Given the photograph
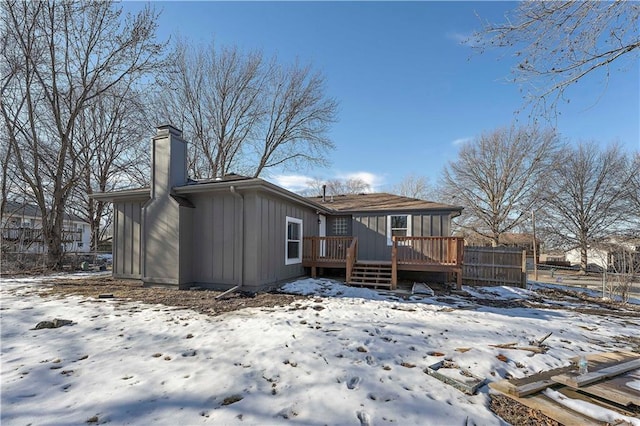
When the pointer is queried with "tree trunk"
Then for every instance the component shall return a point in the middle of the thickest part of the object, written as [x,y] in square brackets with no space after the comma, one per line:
[583,258]
[55,251]
[95,232]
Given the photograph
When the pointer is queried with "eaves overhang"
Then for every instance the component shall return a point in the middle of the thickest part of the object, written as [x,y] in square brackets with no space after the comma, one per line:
[244,185]
[453,209]
[141,194]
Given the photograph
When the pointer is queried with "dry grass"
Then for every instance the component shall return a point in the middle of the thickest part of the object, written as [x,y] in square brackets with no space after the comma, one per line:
[202,301]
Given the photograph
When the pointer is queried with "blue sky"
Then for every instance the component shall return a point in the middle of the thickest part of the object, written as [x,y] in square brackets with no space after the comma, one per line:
[409,91]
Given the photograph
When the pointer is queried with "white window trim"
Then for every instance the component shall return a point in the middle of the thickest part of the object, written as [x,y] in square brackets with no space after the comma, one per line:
[409,234]
[298,259]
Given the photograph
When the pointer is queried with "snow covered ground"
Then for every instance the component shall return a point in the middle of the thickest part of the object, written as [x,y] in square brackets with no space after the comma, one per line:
[347,356]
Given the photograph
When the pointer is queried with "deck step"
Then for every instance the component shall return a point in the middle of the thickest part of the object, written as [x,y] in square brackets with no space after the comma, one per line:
[371,275]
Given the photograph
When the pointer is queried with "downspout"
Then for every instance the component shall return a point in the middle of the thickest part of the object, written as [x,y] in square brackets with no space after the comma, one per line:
[241,236]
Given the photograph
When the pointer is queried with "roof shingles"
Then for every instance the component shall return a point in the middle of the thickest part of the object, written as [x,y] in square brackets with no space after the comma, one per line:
[379,201]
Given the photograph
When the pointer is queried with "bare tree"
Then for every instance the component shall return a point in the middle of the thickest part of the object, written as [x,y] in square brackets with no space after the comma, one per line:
[415,186]
[634,188]
[7,175]
[499,178]
[589,193]
[244,113]
[110,135]
[557,43]
[298,116]
[347,186]
[623,261]
[215,95]
[64,56]
[317,187]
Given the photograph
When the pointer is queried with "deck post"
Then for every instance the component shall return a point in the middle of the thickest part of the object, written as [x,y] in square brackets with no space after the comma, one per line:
[314,250]
[459,262]
[394,263]
[351,258]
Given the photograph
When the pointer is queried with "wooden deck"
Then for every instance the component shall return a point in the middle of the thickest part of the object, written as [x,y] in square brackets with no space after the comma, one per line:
[428,254]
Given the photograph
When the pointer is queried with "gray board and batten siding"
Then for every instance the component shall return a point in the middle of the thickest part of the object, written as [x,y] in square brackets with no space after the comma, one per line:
[368,219]
[371,230]
[266,221]
[226,236]
[219,233]
[127,234]
[215,244]
[240,236]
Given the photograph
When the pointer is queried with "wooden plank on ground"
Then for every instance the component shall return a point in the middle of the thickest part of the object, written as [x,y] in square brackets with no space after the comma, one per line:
[551,409]
[605,359]
[231,290]
[532,384]
[579,395]
[596,376]
[510,389]
[616,389]
[532,388]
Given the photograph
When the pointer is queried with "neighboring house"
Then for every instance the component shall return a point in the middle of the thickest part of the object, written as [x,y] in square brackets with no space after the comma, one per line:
[22,230]
[247,232]
[612,254]
[596,257]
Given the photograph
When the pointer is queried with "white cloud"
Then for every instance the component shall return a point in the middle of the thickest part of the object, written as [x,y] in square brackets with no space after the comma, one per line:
[459,38]
[464,39]
[294,183]
[461,141]
[369,178]
[299,183]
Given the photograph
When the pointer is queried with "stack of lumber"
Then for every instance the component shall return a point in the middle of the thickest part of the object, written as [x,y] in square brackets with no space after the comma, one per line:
[606,385]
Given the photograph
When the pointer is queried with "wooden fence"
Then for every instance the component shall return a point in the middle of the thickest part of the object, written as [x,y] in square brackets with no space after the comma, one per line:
[494,266]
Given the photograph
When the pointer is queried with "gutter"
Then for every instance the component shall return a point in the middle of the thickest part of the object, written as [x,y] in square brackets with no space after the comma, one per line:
[232,188]
[250,184]
[123,195]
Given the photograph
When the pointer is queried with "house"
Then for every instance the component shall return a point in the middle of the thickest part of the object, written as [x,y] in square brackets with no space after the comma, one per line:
[21,224]
[390,232]
[247,232]
[614,254]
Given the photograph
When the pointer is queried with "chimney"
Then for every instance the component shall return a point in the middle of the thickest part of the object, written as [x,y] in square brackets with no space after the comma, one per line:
[168,160]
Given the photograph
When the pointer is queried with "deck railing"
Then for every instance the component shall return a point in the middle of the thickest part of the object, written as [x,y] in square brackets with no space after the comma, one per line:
[326,249]
[428,250]
[435,253]
[407,253]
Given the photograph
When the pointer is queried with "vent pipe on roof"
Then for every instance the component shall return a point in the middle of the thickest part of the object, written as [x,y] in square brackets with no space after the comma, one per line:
[324,193]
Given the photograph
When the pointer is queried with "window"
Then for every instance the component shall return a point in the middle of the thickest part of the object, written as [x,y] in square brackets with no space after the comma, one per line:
[293,246]
[340,226]
[398,226]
